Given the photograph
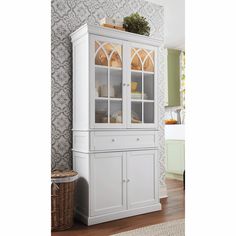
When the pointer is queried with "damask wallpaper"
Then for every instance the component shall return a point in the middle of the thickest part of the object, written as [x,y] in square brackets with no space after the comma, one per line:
[66,17]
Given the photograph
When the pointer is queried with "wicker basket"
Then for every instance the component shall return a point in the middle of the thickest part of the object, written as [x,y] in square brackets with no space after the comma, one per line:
[62,199]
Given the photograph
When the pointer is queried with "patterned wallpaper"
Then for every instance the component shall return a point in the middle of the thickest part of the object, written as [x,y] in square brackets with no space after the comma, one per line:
[66,17]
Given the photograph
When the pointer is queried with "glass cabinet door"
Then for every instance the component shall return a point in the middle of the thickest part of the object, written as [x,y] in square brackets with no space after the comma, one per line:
[142,87]
[108,83]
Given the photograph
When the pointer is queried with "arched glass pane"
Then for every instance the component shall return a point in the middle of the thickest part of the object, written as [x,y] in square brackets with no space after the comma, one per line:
[101,58]
[148,65]
[109,48]
[118,49]
[142,53]
[136,63]
[115,60]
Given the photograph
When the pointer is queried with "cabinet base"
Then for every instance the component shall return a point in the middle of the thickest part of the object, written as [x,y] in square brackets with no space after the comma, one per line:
[115,216]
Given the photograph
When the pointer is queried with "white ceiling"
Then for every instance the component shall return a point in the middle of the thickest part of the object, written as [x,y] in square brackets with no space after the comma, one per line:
[174,20]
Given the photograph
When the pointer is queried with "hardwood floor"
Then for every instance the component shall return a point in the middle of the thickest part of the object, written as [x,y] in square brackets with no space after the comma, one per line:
[173,208]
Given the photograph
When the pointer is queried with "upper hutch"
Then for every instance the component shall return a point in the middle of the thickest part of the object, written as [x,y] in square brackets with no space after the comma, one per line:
[115,123]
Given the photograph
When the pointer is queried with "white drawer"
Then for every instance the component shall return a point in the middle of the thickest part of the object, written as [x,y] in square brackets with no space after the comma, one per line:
[141,140]
[123,140]
[106,141]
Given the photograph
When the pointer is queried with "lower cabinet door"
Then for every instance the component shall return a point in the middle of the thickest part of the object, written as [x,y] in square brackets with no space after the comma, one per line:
[108,191]
[142,178]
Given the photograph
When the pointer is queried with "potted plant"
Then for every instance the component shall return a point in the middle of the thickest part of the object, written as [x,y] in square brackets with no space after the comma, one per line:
[136,24]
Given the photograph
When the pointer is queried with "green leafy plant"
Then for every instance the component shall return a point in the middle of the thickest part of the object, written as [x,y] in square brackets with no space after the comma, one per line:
[136,24]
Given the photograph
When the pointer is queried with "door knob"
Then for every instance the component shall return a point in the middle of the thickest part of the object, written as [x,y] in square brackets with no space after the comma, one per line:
[124,84]
[127,180]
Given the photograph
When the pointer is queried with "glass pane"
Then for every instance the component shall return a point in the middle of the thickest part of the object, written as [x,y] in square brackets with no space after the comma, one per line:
[142,53]
[118,49]
[101,82]
[136,112]
[136,63]
[116,83]
[148,112]
[101,58]
[109,48]
[116,112]
[115,60]
[136,85]
[101,111]
[148,64]
[148,86]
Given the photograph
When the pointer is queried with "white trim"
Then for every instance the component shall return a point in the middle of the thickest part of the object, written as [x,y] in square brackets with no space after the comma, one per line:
[115,150]
[112,129]
[113,33]
[115,216]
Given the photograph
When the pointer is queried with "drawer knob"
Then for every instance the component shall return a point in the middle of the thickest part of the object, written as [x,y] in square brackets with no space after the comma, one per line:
[138,139]
[113,140]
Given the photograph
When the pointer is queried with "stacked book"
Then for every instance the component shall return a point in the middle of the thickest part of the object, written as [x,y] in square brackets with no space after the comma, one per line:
[115,23]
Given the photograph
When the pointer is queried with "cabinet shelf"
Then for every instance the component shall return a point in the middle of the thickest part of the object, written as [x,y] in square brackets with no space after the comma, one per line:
[140,100]
[140,71]
[108,67]
[106,99]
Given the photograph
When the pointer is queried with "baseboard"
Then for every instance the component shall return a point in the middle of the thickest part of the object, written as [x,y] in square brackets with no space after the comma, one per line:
[163,191]
[115,216]
[174,176]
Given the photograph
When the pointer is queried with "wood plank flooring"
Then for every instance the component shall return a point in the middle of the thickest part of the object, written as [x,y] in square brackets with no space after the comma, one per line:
[173,208]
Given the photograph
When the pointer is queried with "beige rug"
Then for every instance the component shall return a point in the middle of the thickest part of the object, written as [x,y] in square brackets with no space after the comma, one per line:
[171,228]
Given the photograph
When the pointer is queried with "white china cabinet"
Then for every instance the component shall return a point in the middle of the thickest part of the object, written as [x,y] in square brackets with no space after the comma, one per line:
[115,123]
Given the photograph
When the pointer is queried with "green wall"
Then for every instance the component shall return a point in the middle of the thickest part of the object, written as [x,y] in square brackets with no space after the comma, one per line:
[173,77]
